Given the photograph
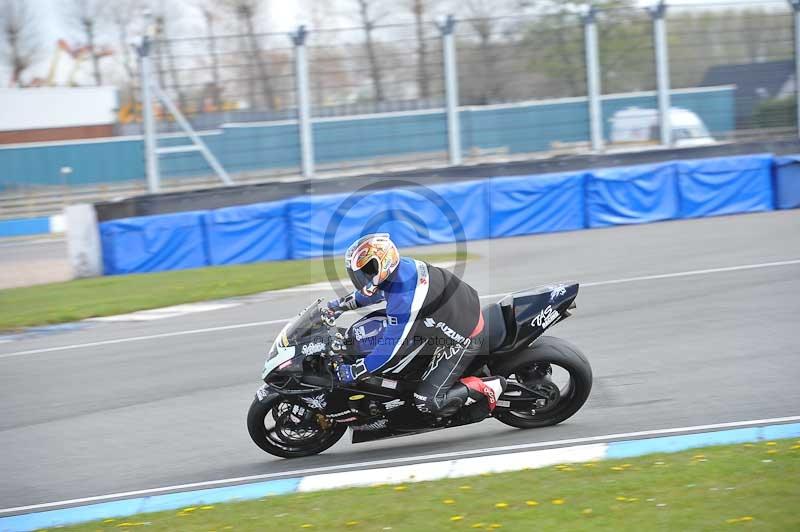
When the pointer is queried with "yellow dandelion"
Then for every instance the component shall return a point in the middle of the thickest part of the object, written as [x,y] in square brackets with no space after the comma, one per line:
[109,520]
[558,501]
[586,511]
[477,525]
[632,499]
[449,501]
[189,509]
[532,503]
[501,505]
[746,518]
[207,507]
[698,456]
[794,447]
[400,488]
[617,468]
[749,445]
[772,443]
[465,487]
[495,525]
[125,525]
[457,518]
[589,464]
[307,525]
[351,523]
[622,499]
[626,466]
[772,451]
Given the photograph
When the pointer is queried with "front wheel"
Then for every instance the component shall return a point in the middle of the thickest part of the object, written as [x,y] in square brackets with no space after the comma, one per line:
[554,367]
[289,430]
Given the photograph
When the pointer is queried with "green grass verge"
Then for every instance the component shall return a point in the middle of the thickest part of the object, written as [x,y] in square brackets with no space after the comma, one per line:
[106,296]
[751,486]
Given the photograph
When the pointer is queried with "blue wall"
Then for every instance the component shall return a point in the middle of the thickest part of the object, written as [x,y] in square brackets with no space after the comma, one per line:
[313,226]
[521,128]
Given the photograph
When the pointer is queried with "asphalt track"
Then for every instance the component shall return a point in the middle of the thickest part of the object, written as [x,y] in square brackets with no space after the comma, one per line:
[715,345]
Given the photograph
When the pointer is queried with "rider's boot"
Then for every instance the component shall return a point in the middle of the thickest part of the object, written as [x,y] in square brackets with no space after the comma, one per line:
[485,390]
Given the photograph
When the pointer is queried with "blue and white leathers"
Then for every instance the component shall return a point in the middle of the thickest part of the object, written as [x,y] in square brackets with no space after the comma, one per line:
[405,292]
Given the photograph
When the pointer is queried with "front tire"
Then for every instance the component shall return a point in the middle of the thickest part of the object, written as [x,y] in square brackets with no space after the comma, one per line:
[557,352]
[284,439]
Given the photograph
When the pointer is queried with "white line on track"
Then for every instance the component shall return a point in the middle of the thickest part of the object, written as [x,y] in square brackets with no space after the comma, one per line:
[406,459]
[689,273]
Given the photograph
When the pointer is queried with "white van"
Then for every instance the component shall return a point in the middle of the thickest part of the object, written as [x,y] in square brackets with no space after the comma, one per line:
[635,125]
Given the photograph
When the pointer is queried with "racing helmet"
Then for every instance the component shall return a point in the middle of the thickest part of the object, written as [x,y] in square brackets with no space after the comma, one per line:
[370,260]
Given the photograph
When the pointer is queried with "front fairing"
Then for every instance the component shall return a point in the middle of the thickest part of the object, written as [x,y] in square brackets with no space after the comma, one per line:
[303,336]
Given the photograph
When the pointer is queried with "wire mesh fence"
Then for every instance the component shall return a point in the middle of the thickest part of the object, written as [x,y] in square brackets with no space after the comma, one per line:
[378,94]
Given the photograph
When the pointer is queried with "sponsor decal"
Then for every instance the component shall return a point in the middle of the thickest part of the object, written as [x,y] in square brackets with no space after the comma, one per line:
[317,402]
[359,333]
[375,425]
[388,383]
[314,347]
[557,291]
[545,317]
[503,403]
[443,352]
[394,403]
[449,332]
[262,392]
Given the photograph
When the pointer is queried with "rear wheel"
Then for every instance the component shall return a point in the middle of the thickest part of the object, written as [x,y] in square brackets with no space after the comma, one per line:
[289,430]
[558,371]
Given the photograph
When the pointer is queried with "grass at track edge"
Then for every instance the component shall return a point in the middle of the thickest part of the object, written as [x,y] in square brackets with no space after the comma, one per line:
[106,296]
[735,487]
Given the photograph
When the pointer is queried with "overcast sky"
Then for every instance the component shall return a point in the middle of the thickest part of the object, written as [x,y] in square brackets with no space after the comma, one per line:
[284,15]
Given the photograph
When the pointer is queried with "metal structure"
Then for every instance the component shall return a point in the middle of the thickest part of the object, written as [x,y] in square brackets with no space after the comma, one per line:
[659,14]
[472,88]
[593,78]
[451,90]
[150,87]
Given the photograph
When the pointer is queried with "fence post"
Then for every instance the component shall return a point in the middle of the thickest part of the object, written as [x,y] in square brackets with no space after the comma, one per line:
[451,89]
[303,101]
[659,13]
[150,155]
[593,78]
[796,6]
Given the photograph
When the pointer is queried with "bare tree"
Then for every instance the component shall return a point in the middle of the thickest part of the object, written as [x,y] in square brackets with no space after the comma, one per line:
[369,15]
[247,11]
[164,54]
[421,9]
[210,15]
[85,15]
[20,37]
[121,18]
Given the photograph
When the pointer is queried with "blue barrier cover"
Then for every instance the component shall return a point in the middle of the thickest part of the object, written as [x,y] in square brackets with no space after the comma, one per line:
[632,195]
[725,185]
[439,214]
[24,226]
[154,243]
[536,204]
[329,224]
[248,233]
[787,182]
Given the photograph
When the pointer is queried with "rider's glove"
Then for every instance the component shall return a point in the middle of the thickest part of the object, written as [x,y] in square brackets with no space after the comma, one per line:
[329,315]
[348,373]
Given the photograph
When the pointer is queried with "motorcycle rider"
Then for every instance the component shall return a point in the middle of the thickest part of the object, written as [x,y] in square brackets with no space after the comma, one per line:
[429,311]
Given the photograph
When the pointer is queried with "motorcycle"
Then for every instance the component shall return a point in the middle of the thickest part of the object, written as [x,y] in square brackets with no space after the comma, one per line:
[302,409]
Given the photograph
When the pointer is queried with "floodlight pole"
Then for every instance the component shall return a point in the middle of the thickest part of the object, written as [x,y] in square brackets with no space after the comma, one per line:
[659,13]
[593,79]
[796,7]
[303,101]
[150,155]
[451,89]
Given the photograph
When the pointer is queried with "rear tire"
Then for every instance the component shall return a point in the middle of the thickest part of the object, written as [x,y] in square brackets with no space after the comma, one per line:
[271,441]
[558,352]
